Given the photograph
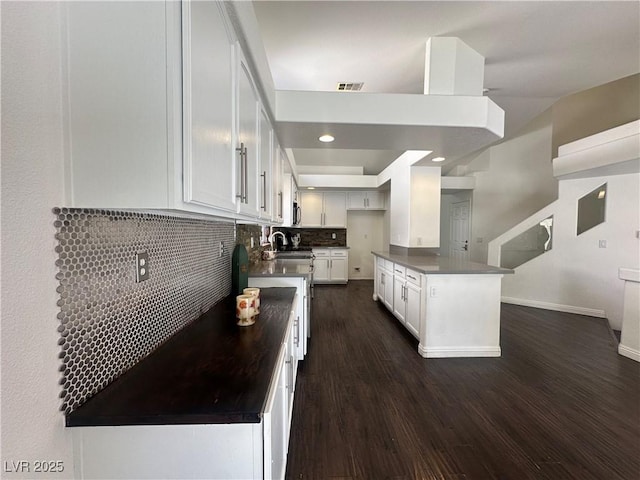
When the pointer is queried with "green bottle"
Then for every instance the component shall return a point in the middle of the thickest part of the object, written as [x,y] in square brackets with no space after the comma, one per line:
[239,269]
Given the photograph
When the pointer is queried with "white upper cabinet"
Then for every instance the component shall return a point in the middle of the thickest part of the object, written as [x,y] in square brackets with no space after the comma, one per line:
[163,112]
[365,200]
[323,209]
[208,62]
[266,171]
[121,111]
[247,142]
[335,209]
[312,208]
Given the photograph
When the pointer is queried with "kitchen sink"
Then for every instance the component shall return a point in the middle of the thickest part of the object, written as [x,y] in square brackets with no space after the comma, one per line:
[294,254]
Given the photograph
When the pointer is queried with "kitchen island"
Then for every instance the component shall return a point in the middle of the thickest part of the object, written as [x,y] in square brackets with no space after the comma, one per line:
[214,401]
[451,306]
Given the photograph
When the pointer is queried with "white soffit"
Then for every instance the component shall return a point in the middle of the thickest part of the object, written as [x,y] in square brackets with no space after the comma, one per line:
[451,124]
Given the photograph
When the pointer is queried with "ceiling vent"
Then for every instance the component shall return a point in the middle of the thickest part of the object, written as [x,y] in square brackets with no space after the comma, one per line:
[349,86]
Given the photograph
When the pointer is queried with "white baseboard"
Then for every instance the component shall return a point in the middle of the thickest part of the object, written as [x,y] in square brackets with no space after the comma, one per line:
[629,352]
[449,352]
[590,312]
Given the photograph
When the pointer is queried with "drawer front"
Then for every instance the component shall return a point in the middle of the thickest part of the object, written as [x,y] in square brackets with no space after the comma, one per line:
[381,262]
[388,265]
[321,253]
[399,270]
[413,277]
[338,253]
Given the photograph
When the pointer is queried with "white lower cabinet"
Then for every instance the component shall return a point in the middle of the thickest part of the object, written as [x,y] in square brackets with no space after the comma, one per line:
[235,451]
[400,289]
[331,265]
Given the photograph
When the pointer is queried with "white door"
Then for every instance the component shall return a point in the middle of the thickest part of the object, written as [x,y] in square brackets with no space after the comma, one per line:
[459,241]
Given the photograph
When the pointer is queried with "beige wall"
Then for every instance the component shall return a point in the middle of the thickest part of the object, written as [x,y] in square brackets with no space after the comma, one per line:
[595,110]
[515,180]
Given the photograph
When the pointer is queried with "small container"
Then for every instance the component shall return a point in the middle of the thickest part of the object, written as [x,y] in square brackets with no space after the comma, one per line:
[245,310]
[268,255]
[255,292]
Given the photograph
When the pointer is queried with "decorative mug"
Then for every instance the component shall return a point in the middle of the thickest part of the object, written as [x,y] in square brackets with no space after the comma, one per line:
[255,292]
[245,310]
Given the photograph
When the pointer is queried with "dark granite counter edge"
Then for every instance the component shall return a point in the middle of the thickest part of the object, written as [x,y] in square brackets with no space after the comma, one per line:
[185,382]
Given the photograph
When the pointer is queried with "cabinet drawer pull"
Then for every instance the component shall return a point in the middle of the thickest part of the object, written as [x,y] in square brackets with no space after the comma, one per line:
[411,277]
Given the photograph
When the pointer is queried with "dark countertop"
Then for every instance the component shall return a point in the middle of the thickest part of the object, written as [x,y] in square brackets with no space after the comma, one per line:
[434,264]
[212,371]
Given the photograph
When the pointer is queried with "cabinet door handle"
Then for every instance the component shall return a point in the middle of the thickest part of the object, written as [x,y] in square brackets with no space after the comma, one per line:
[246,176]
[240,150]
[264,191]
[289,364]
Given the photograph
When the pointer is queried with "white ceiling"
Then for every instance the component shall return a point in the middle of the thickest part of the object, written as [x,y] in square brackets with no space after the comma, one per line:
[535,52]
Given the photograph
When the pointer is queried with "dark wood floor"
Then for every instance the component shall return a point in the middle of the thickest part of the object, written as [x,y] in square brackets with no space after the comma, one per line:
[559,404]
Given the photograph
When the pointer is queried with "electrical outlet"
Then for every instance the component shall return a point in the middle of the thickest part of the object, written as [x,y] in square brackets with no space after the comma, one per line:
[253,243]
[221,249]
[333,236]
[142,267]
[433,292]
[602,243]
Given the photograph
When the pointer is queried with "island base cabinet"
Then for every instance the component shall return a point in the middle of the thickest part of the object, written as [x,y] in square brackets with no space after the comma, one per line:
[462,317]
[229,451]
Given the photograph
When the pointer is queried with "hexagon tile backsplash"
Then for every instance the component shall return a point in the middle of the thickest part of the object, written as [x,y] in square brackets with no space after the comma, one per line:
[108,321]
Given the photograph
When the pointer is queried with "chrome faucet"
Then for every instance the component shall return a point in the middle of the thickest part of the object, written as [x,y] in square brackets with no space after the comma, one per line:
[284,239]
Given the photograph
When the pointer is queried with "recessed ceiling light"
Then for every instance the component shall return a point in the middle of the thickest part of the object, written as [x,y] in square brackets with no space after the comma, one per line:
[438,159]
[311,188]
[326,138]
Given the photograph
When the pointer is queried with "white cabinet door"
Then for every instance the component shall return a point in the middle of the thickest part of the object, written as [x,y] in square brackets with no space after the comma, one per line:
[120,62]
[375,200]
[247,142]
[312,209]
[412,312]
[266,183]
[356,200]
[276,421]
[321,269]
[339,269]
[335,209]
[399,308]
[380,279]
[209,156]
